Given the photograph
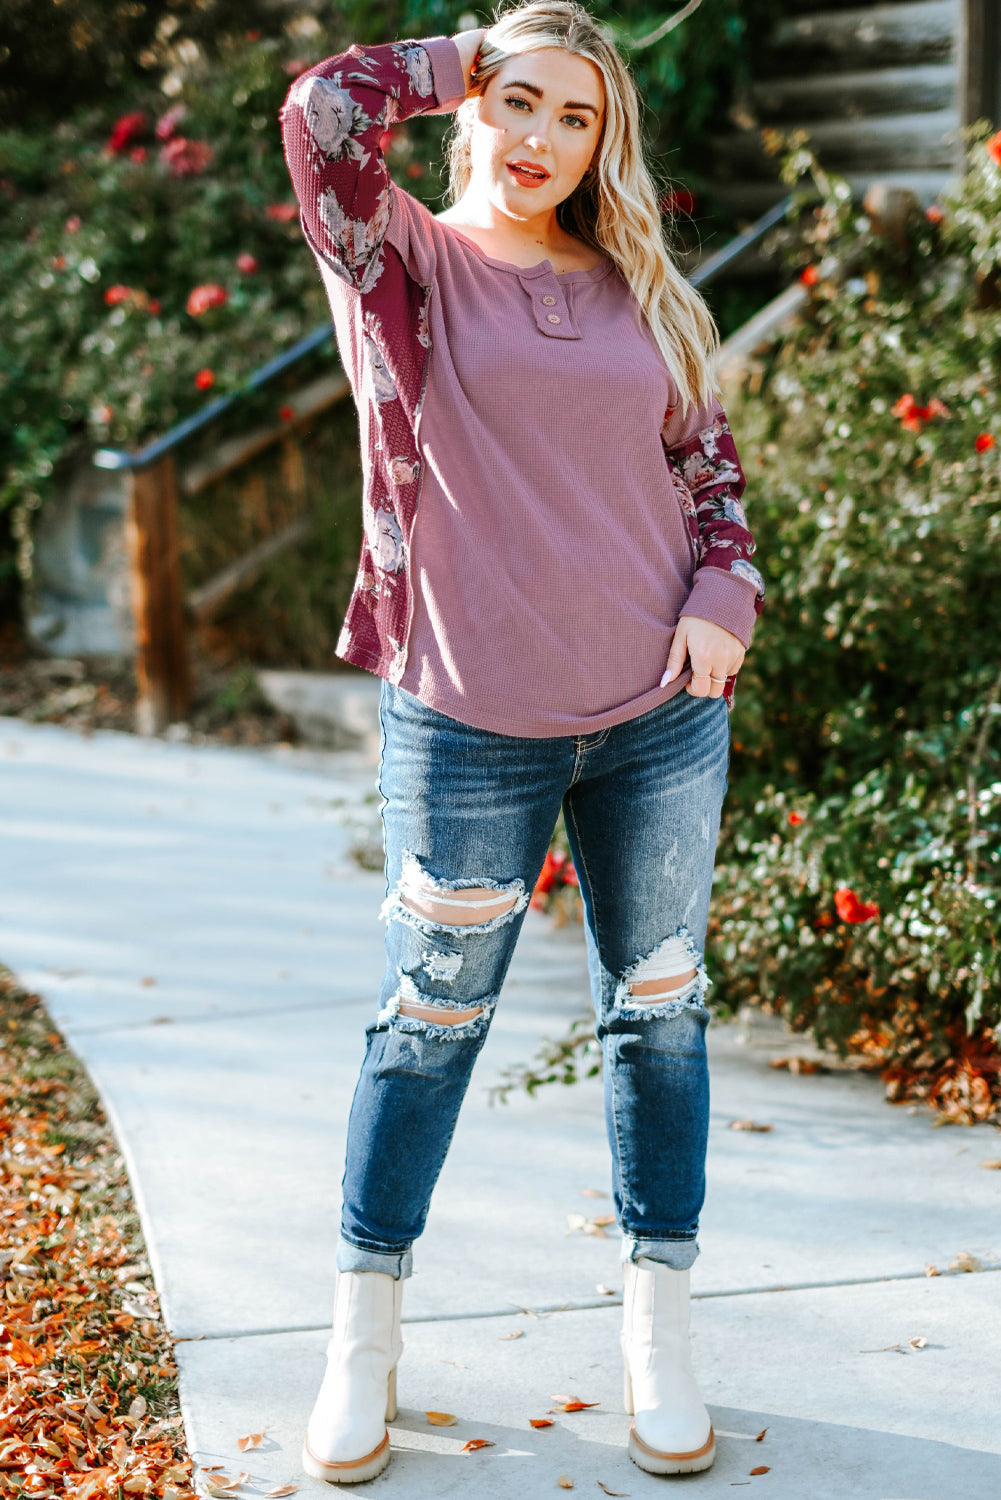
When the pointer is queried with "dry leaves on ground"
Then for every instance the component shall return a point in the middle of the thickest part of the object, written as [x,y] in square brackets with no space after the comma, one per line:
[516,1333]
[581,1224]
[88,1400]
[993,1165]
[475,1444]
[799,1064]
[565,1482]
[572,1403]
[441,1418]
[603,1486]
[761,1469]
[540,1422]
[761,1434]
[749,1125]
[964,1261]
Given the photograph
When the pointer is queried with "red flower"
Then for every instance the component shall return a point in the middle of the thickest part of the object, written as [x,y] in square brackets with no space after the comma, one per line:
[59,263]
[678,201]
[204,379]
[557,870]
[126,129]
[253,36]
[168,123]
[850,909]
[73,223]
[202,298]
[294,67]
[414,169]
[809,276]
[994,147]
[138,153]
[153,307]
[912,416]
[984,443]
[184,158]
[283,213]
[795,819]
[824,920]
[116,294]
[246,263]
[934,214]
[286,413]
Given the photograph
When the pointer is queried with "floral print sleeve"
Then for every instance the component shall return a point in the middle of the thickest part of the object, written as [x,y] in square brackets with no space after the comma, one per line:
[706,473]
[333,121]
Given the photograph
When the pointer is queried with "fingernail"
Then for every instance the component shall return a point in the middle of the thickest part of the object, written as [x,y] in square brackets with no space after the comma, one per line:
[668,676]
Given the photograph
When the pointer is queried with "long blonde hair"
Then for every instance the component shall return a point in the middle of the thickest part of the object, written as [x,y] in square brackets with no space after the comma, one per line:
[614,208]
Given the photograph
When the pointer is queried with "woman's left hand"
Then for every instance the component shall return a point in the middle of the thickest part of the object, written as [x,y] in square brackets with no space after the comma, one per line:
[716,654]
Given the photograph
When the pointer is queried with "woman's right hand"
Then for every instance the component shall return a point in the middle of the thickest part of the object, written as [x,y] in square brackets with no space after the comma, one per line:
[468,43]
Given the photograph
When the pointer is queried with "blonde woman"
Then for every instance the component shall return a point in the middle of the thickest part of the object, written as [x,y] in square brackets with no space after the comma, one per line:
[555,587]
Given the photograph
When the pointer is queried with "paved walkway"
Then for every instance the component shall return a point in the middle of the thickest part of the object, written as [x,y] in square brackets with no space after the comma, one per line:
[198,928]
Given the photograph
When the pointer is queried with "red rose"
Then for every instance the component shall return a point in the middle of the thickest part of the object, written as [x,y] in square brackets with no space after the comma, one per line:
[984,443]
[994,147]
[850,909]
[934,214]
[809,276]
[246,263]
[202,298]
[283,213]
[204,379]
[184,158]
[153,306]
[126,130]
[678,201]
[795,819]
[138,153]
[116,294]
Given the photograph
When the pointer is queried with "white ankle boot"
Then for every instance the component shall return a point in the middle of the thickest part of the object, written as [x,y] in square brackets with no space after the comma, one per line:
[346,1437]
[671,1432]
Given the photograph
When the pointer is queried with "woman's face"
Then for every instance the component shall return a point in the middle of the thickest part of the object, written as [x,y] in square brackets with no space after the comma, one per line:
[538,128]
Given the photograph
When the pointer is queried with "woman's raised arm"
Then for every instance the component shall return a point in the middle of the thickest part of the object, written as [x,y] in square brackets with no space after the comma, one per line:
[333,120]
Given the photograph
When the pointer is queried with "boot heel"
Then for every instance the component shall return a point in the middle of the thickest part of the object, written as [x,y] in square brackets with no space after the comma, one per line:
[627,1392]
[391,1407]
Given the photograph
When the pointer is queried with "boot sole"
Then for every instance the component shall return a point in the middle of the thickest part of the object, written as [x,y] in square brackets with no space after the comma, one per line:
[654,1462]
[352,1471]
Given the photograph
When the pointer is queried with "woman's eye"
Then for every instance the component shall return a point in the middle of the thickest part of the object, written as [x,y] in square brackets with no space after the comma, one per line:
[515,99]
[576,119]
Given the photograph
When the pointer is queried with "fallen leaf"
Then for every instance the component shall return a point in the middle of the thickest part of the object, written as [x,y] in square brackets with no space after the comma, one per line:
[572,1403]
[918,1343]
[475,1443]
[761,1434]
[540,1422]
[798,1064]
[883,1349]
[605,1291]
[931,1270]
[603,1219]
[565,1482]
[456,1362]
[579,1224]
[138,1407]
[747,1125]
[761,1469]
[250,1440]
[993,1164]
[282,1489]
[210,1468]
[147,981]
[441,1418]
[593,1193]
[964,1261]
[516,1333]
[602,1486]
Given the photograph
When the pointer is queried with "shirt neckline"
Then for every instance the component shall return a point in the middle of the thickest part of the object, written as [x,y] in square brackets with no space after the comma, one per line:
[541,268]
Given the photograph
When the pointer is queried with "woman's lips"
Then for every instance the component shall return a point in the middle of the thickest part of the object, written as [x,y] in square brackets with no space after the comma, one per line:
[525,178]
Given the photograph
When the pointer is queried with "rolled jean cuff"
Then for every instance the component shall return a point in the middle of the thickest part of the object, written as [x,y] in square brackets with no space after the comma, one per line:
[679,1254]
[396,1263]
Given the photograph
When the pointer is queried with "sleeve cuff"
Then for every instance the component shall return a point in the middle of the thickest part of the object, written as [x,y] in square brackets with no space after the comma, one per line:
[446,70]
[725,600]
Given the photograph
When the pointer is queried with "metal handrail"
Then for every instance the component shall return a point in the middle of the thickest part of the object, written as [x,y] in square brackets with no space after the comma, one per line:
[121,460]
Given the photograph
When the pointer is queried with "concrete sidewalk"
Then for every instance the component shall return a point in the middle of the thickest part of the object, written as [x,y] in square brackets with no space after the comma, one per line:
[198,927]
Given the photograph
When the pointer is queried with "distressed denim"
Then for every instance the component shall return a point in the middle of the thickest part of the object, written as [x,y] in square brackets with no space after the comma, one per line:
[467,808]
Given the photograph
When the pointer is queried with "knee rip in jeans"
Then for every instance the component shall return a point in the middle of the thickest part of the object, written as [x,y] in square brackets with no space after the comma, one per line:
[410,1010]
[670,979]
[459,907]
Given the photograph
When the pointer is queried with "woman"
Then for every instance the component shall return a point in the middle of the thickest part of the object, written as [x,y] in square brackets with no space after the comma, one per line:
[555,587]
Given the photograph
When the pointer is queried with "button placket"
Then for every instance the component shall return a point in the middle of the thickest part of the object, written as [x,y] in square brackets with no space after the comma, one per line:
[552,312]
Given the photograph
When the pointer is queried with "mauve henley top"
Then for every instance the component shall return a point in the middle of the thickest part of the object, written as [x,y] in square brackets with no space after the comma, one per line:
[551,558]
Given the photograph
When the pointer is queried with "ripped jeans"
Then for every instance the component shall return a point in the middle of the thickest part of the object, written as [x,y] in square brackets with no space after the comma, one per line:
[468,815]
